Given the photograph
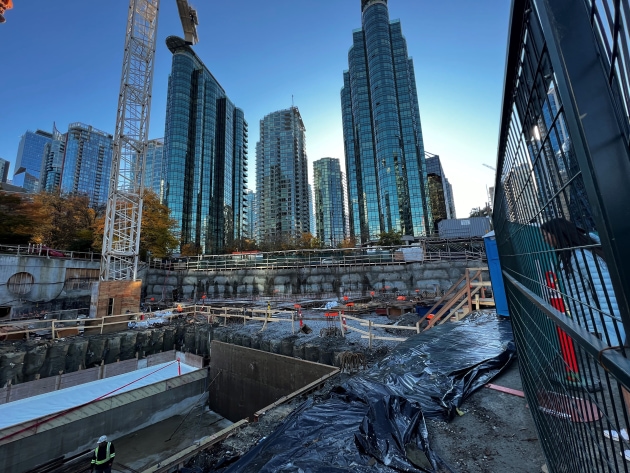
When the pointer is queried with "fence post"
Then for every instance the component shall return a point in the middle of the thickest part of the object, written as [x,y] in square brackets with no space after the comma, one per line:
[343,333]
[53,328]
[370,334]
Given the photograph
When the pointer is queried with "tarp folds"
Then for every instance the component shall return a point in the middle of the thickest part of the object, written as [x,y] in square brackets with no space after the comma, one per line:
[376,422]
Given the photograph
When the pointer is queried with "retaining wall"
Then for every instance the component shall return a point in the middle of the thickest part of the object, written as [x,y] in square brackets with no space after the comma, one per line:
[406,277]
[246,380]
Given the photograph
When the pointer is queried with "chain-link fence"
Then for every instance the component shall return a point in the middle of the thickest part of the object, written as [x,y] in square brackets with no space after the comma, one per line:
[561,220]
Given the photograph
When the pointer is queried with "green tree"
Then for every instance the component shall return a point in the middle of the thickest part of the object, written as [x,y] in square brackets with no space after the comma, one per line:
[390,238]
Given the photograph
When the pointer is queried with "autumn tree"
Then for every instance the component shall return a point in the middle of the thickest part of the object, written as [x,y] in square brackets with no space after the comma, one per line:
[157,233]
[68,223]
[20,218]
[158,228]
[242,244]
[348,243]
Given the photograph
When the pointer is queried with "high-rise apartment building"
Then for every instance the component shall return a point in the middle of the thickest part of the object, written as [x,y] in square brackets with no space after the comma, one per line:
[282,178]
[311,209]
[205,143]
[249,215]
[29,159]
[440,191]
[52,162]
[382,132]
[155,168]
[330,209]
[4,170]
[87,163]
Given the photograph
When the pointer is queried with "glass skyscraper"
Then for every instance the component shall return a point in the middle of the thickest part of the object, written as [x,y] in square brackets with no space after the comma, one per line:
[205,143]
[4,170]
[330,211]
[249,215]
[87,163]
[282,178]
[29,159]
[387,181]
[155,168]
[440,191]
[52,164]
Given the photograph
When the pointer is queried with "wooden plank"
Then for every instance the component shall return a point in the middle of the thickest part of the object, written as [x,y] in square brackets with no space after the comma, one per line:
[394,327]
[120,367]
[159,358]
[32,388]
[395,339]
[514,392]
[444,318]
[79,377]
[356,329]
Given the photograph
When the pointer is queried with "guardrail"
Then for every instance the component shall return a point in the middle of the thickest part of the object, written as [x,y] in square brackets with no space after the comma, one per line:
[45,252]
[428,251]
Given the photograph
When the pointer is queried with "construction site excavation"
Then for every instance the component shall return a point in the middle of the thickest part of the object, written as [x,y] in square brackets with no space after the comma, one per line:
[201,384]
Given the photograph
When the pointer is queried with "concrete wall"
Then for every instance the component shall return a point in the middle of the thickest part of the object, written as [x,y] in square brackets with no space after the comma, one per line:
[115,417]
[48,290]
[405,277]
[249,380]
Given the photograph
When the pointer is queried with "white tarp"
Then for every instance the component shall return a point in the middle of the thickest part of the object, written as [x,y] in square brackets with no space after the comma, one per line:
[153,318]
[31,408]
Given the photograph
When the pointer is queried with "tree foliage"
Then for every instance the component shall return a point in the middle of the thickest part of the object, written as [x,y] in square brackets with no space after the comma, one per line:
[158,228]
[19,219]
[157,233]
[390,238]
[68,223]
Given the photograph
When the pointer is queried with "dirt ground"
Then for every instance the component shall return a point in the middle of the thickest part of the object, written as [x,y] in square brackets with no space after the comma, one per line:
[495,434]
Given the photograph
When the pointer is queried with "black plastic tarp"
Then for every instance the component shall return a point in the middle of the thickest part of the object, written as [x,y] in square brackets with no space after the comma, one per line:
[375,422]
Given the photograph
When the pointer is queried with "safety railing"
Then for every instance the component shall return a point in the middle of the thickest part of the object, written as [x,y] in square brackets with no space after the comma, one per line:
[44,251]
[427,251]
[561,225]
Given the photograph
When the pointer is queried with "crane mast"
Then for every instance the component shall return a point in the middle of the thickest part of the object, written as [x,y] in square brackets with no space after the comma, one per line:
[121,239]
[123,217]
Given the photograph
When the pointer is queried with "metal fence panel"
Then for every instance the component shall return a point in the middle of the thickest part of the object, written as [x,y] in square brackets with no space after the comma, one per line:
[562,220]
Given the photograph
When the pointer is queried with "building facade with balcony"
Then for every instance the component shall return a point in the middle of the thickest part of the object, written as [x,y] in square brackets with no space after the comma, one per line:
[282,191]
[87,163]
[330,206]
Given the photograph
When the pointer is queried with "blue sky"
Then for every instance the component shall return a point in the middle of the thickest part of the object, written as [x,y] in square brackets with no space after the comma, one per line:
[61,62]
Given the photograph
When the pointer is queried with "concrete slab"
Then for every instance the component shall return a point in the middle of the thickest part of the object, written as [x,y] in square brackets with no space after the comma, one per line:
[149,446]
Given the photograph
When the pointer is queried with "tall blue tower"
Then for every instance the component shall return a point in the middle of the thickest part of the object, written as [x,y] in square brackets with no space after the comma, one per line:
[205,144]
[387,179]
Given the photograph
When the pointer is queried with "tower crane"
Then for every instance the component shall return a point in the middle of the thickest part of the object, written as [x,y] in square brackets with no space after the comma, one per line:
[121,239]
[489,167]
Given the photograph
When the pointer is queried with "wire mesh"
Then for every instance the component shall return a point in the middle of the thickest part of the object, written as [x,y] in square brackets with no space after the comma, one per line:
[564,310]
